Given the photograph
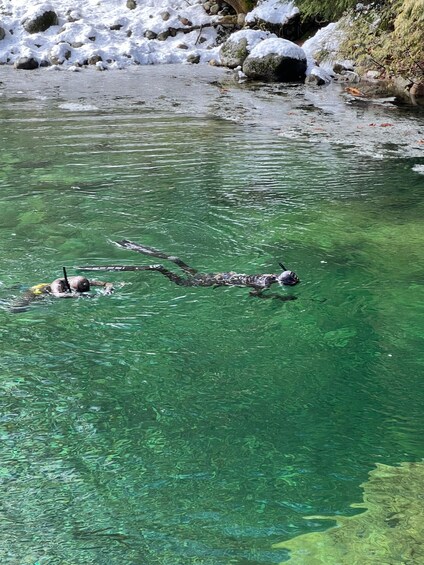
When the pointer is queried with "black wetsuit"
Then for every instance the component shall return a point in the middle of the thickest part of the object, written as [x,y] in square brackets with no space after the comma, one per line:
[257,283]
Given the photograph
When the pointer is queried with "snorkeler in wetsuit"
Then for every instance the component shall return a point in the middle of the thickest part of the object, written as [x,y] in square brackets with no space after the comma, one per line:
[258,283]
[65,287]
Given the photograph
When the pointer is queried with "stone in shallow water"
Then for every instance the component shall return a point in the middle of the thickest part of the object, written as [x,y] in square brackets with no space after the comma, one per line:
[277,60]
[390,530]
[26,63]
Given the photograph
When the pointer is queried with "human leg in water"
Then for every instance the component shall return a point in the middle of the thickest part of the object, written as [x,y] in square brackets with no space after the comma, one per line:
[152,252]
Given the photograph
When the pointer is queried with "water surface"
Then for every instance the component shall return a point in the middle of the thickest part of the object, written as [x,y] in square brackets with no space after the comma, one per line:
[174,426]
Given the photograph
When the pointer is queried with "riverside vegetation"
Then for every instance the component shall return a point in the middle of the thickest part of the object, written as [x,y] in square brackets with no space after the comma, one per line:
[384,38]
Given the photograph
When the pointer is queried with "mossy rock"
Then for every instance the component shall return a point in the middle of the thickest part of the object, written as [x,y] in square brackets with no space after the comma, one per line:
[276,60]
[238,46]
[390,531]
[234,54]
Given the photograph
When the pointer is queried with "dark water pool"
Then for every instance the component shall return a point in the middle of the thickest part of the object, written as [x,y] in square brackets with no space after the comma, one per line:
[178,426]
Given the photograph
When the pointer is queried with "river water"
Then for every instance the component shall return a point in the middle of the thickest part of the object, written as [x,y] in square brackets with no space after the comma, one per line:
[171,425]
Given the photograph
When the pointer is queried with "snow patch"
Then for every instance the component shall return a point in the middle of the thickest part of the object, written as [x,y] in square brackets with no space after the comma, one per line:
[418,169]
[277,46]
[273,11]
[252,36]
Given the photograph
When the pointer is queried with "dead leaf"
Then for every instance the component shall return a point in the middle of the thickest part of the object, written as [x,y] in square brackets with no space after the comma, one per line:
[354,91]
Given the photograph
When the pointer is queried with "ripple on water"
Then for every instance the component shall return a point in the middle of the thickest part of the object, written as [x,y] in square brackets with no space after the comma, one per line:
[168,424]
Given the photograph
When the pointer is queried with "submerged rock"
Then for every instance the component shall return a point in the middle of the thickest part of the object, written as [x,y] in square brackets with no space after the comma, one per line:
[276,60]
[390,530]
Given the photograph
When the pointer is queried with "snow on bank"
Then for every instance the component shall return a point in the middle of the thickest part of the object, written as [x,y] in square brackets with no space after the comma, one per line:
[273,11]
[328,40]
[120,33]
[107,29]
[278,46]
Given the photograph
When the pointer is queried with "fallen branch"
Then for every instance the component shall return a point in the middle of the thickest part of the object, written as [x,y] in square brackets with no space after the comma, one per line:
[230,21]
[198,37]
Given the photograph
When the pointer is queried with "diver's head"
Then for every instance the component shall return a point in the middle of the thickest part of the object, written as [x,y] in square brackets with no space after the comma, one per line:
[79,284]
[76,284]
[59,286]
[288,278]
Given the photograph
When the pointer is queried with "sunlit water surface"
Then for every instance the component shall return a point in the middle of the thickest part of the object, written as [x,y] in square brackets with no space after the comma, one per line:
[175,426]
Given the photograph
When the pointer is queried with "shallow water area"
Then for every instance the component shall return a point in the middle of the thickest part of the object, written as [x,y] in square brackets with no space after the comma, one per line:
[171,425]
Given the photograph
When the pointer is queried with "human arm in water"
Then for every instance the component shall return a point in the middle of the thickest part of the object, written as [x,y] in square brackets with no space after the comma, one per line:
[108,287]
[282,297]
[177,279]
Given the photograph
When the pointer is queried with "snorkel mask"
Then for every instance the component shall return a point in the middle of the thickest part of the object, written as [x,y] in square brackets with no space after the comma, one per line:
[288,278]
[79,284]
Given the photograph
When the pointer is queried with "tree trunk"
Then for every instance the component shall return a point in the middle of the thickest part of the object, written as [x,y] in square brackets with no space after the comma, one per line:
[241,6]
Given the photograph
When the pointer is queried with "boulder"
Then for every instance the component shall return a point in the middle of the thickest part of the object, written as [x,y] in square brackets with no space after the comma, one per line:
[277,17]
[194,59]
[60,53]
[277,60]
[26,63]
[2,33]
[417,90]
[94,59]
[238,46]
[131,4]
[319,76]
[40,19]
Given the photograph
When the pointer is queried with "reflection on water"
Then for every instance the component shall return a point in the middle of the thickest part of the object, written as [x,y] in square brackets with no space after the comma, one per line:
[169,425]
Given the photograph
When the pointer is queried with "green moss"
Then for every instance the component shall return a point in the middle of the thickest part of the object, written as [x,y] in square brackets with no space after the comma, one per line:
[330,10]
[388,37]
[390,531]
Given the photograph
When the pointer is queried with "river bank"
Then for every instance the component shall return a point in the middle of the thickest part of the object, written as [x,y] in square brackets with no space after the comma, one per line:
[332,115]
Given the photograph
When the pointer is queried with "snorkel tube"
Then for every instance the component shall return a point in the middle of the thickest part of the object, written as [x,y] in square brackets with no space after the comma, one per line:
[65,276]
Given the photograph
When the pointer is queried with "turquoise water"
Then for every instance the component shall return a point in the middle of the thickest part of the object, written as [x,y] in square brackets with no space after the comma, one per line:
[174,426]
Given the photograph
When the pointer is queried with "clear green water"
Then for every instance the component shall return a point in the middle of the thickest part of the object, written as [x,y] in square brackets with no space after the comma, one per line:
[174,426]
